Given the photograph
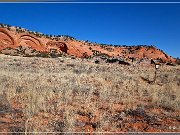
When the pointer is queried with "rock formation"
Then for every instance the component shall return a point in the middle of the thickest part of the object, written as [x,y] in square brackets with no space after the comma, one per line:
[12,37]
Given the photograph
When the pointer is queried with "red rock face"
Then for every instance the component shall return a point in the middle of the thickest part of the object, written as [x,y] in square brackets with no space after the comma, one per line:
[59,45]
[31,41]
[5,39]
[11,38]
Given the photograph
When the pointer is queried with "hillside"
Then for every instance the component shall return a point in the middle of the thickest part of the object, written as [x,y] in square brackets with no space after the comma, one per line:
[75,95]
[58,84]
[13,39]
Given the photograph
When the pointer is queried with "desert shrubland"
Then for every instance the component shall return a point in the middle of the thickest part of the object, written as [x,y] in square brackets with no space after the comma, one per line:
[67,95]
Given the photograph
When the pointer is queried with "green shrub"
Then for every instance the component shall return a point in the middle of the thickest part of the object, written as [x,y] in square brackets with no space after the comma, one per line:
[43,54]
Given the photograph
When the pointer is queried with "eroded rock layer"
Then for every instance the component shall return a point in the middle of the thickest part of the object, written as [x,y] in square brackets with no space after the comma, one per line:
[13,38]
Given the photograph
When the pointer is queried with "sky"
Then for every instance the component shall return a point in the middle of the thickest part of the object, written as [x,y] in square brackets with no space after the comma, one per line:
[118,24]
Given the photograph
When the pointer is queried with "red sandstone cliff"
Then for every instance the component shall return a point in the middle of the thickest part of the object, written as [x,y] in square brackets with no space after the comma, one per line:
[12,37]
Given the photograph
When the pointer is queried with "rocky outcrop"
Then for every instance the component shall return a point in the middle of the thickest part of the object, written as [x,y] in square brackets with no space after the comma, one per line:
[58,45]
[11,37]
[5,38]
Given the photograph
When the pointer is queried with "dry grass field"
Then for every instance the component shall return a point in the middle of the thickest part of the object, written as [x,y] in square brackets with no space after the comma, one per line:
[76,95]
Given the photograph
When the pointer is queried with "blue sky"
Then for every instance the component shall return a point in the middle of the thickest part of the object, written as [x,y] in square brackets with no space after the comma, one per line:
[119,24]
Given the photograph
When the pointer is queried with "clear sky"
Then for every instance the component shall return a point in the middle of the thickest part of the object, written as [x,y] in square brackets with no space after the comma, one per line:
[119,24]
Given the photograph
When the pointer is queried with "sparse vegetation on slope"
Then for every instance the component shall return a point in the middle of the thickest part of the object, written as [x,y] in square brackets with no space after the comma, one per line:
[13,37]
[66,95]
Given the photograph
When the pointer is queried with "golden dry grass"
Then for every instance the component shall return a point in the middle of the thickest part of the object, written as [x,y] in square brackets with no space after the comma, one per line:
[49,85]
